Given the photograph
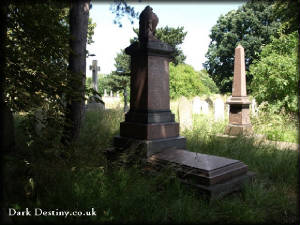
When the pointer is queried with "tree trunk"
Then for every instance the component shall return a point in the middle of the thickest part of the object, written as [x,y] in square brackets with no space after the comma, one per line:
[79,15]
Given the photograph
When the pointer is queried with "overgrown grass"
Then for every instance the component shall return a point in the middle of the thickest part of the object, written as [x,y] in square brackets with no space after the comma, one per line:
[81,179]
[277,126]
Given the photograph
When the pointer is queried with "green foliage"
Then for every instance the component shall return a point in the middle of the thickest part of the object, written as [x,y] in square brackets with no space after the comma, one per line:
[288,13]
[173,37]
[252,26]
[276,126]
[185,81]
[122,62]
[85,179]
[37,56]
[90,32]
[276,75]
[208,82]
[119,80]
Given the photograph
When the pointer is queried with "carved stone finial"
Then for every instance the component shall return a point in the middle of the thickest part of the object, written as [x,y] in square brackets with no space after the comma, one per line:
[148,23]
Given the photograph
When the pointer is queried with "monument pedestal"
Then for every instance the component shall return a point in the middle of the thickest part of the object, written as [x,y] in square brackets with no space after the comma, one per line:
[150,121]
[239,119]
[151,146]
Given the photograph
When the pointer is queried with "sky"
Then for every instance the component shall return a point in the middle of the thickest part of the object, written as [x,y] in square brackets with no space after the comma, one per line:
[196,18]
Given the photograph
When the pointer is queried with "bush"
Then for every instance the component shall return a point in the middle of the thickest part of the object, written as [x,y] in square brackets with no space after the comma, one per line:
[275,76]
[185,81]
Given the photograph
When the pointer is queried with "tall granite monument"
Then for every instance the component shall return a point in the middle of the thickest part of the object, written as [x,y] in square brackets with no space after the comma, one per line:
[239,119]
[151,125]
[149,119]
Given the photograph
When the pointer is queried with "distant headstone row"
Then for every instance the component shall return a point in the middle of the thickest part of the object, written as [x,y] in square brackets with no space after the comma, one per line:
[218,109]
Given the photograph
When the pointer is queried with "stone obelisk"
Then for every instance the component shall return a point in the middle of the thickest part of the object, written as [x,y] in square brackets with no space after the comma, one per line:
[149,120]
[239,119]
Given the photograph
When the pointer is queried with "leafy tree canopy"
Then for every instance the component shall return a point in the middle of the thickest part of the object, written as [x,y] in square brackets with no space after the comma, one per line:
[185,81]
[252,26]
[173,37]
[275,75]
[37,53]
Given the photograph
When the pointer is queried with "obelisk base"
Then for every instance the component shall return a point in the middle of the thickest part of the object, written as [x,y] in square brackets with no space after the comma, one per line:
[235,130]
[239,116]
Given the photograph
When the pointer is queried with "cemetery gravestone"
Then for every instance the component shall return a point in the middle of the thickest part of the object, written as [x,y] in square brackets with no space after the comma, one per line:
[200,106]
[95,102]
[204,107]
[149,120]
[239,119]
[196,105]
[219,109]
[254,109]
[151,124]
[185,114]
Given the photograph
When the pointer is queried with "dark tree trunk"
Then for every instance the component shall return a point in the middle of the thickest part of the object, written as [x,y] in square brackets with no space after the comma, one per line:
[79,15]
[7,138]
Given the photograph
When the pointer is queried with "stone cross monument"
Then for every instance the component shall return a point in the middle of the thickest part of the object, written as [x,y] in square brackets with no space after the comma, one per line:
[95,101]
[94,68]
[239,119]
[149,119]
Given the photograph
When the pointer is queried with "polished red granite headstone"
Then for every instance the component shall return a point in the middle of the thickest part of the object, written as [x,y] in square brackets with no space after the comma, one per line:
[239,118]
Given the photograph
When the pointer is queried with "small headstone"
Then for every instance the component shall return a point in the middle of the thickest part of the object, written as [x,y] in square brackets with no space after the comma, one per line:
[200,106]
[210,103]
[105,93]
[254,109]
[219,109]
[185,113]
[111,94]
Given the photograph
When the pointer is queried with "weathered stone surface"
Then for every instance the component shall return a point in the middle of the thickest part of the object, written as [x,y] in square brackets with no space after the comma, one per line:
[185,113]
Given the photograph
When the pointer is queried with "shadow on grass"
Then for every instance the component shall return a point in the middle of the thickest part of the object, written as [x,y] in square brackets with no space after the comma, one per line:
[81,180]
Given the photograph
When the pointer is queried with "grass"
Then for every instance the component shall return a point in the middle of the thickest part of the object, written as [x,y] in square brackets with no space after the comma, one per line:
[39,175]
